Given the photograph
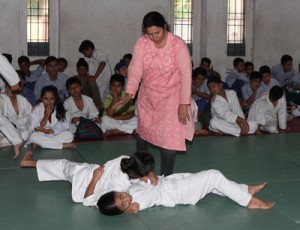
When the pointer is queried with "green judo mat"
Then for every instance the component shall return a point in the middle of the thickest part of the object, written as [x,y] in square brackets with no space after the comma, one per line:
[27,203]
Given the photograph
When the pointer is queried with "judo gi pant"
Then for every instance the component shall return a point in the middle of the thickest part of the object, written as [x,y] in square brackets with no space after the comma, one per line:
[126,126]
[217,125]
[167,156]
[9,131]
[52,170]
[193,188]
[51,141]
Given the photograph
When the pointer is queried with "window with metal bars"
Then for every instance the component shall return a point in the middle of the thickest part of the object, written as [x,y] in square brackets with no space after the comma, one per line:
[37,27]
[236,44]
[183,26]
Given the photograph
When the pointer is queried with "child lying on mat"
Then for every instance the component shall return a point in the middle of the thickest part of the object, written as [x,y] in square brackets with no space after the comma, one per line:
[181,188]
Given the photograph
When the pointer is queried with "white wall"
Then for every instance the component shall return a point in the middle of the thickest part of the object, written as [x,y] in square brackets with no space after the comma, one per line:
[114,26]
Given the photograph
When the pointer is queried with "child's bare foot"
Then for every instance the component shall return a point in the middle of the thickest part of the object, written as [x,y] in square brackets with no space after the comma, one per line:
[221,133]
[258,132]
[69,146]
[254,189]
[256,203]
[113,132]
[35,146]
[17,150]
[202,132]
[27,160]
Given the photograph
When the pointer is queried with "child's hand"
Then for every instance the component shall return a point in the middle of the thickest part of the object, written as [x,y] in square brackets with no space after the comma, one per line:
[75,120]
[98,120]
[48,111]
[133,208]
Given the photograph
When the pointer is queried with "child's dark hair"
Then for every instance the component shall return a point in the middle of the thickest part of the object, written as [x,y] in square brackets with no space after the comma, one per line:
[50,59]
[214,79]
[117,78]
[128,56]
[199,71]
[264,69]
[205,59]
[276,92]
[61,59]
[139,164]
[255,75]
[59,107]
[23,59]
[82,62]
[71,81]
[85,45]
[237,61]
[107,206]
[154,19]
[247,64]
[285,58]
[8,57]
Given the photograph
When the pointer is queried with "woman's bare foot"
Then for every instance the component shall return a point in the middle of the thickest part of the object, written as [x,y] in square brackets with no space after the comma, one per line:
[254,189]
[17,150]
[69,146]
[27,160]
[256,203]
[202,132]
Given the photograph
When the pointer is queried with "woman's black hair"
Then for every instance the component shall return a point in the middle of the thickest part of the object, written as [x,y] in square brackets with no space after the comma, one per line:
[107,206]
[154,19]
[59,107]
[140,164]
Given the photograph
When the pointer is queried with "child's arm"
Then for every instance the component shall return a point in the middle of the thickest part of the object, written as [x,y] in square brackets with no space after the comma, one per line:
[40,62]
[97,174]
[202,95]
[99,69]
[124,117]
[133,208]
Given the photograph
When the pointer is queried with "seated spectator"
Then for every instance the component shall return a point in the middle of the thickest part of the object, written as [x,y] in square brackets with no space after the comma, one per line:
[284,72]
[252,91]
[249,68]
[51,77]
[89,85]
[267,80]
[270,110]
[237,78]
[117,120]
[78,105]
[206,64]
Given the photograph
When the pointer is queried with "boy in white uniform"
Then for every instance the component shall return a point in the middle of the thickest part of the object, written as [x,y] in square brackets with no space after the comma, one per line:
[12,78]
[227,115]
[17,110]
[269,110]
[78,105]
[267,80]
[98,64]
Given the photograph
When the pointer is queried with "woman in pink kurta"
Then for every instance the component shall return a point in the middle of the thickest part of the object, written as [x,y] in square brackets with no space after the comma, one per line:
[162,63]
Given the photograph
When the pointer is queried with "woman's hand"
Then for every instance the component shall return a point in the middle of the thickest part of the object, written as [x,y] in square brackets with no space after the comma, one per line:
[183,115]
[124,101]
[153,178]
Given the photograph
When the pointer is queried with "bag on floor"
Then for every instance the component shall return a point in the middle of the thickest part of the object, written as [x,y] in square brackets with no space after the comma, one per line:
[88,129]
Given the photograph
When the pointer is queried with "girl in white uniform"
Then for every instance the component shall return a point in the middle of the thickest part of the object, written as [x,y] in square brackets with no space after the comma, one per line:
[50,122]
[227,115]
[17,110]
[12,78]
[182,188]
[90,181]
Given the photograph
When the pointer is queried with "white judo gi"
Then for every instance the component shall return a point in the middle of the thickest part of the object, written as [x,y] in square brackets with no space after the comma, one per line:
[267,116]
[89,110]
[187,188]
[12,78]
[126,126]
[61,133]
[225,112]
[21,121]
[80,175]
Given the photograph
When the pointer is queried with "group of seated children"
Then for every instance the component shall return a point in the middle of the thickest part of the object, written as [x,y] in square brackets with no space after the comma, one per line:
[253,92]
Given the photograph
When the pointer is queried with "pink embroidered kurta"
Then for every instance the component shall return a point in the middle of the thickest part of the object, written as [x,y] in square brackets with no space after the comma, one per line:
[165,76]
